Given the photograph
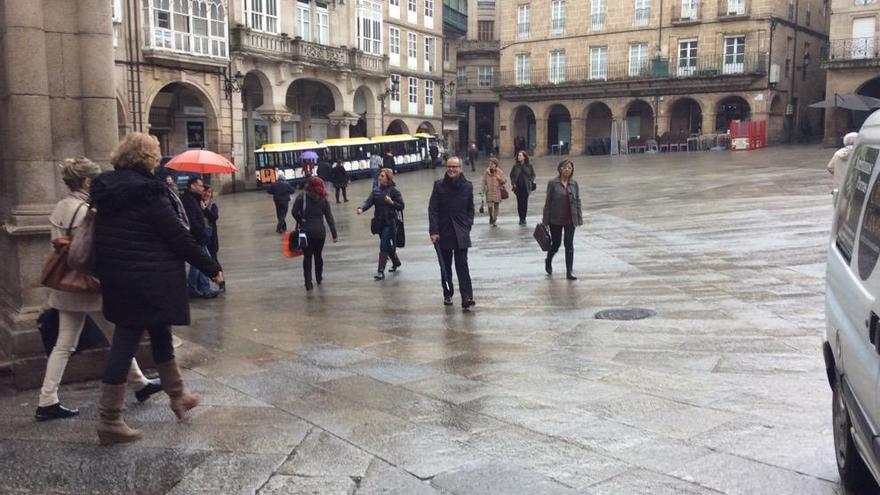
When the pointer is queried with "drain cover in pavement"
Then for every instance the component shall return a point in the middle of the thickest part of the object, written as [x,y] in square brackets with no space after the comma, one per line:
[625,314]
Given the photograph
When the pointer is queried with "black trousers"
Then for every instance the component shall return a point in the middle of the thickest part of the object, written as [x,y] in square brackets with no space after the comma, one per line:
[344,194]
[281,213]
[125,344]
[556,238]
[316,247]
[522,204]
[461,271]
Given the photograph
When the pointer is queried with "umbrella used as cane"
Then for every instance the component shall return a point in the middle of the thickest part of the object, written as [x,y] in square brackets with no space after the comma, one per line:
[849,102]
[202,162]
[444,273]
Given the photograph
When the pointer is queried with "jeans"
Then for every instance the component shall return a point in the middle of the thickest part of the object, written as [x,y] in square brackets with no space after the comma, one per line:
[198,281]
[70,326]
[386,238]
[126,341]
[344,194]
[281,213]
[375,173]
[314,250]
[522,204]
[461,271]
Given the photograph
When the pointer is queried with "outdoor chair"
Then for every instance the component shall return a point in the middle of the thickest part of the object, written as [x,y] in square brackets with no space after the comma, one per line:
[651,146]
[663,144]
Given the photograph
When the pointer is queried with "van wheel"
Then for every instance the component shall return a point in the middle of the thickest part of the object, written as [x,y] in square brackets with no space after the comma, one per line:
[853,473]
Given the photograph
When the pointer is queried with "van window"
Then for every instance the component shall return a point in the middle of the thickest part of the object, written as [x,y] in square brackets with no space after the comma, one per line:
[849,205]
[869,236]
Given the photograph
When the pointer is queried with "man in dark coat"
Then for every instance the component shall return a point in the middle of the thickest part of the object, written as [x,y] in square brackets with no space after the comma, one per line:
[388,161]
[281,191]
[199,284]
[472,156]
[450,218]
[434,152]
[324,170]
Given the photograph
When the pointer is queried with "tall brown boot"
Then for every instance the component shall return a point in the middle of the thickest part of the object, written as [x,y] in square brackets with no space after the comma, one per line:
[172,382]
[111,427]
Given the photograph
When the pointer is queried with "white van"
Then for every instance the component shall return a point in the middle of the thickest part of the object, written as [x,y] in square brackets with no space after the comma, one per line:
[852,332]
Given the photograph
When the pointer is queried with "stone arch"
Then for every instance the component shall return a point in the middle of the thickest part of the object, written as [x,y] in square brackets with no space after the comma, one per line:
[311,102]
[426,127]
[558,127]
[730,108]
[776,124]
[685,115]
[639,115]
[182,115]
[122,124]
[364,105]
[597,127]
[524,127]
[397,126]
[871,88]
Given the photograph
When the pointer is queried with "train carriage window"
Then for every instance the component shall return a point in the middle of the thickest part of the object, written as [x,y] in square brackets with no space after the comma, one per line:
[852,197]
[869,236]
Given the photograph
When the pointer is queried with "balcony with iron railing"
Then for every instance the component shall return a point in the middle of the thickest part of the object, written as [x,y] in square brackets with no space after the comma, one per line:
[597,21]
[686,12]
[693,69]
[642,17]
[522,29]
[733,9]
[852,52]
[485,47]
[283,47]
[557,25]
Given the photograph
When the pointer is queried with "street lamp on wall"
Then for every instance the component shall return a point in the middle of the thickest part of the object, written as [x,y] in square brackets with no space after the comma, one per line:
[233,85]
[392,90]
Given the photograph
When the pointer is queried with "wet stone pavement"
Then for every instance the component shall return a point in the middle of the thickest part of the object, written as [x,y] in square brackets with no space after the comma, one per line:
[375,387]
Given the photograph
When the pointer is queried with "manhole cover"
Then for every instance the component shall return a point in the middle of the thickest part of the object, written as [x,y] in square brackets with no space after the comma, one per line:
[625,314]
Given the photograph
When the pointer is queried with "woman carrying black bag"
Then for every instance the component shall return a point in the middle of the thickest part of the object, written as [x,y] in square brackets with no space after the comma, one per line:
[522,180]
[562,213]
[310,209]
[388,202]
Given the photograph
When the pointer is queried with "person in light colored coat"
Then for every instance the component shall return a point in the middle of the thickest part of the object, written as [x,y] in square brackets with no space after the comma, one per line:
[837,166]
[73,307]
[562,212]
[493,181]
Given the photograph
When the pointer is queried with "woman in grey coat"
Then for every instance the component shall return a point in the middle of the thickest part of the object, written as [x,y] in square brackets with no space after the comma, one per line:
[562,213]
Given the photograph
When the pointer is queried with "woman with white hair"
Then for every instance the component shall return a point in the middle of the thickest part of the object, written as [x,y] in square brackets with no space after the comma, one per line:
[837,166]
[73,307]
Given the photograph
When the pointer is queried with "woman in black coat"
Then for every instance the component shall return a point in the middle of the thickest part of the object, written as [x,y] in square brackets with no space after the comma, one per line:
[562,212]
[141,245]
[389,203]
[309,210]
[522,180]
[339,177]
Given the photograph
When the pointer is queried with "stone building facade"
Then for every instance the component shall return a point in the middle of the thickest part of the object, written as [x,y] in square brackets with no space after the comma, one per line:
[569,68]
[57,100]
[478,58]
[852,62]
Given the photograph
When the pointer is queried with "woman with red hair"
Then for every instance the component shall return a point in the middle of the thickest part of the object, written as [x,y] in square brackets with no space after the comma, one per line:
[309,210]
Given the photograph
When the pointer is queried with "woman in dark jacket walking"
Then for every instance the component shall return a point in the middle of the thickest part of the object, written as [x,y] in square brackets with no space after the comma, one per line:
[212,215]
[309,210]
[522,180]
[141,246]
[562,212]
[339,177]
[388,202]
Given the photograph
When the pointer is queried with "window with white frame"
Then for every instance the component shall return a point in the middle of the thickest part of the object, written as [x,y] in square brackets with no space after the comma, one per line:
[412,51]
[687,57]
[429,8]
[523,20]
[557,17]
[304,20]
[196,27]
[429,93]
[411,7]
[429,53]
[369,24]
[690,9]
[599,62]
[261,15]
[413,94]
[523,68]
[462,76]
[394,8]
[557,66]
[116,15]
[734,54]
[395,86]
[323,24]
[638,59]
[394,41]
[597,15]
[485,76]
[642,12]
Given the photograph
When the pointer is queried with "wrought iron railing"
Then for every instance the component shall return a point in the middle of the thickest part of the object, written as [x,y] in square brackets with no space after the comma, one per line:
[686,11]
[654,69]
[852,49]
[642,17]
[732,8]
[597,21]
[246,40]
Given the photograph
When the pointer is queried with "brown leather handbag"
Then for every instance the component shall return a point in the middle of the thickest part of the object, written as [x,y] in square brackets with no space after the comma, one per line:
[57,273]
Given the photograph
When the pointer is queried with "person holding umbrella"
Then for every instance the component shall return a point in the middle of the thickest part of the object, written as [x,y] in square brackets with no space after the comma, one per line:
[309,159]
[450,218]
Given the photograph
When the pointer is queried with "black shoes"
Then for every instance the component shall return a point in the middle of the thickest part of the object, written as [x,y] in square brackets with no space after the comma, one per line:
[548,265]
[153,386]
[379,276]
[570,276]
[55,411]
[447,301]
[467,303]
[395,263]
[309,285]
[211,294]
[522,222]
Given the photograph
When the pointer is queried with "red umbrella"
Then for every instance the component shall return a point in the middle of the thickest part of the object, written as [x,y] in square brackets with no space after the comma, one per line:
[202,162]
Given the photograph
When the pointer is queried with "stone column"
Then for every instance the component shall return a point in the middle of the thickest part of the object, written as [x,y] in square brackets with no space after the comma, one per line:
[275,119]
[541,137]
[472,124]
[709,121]
[43,120]
[578,136]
